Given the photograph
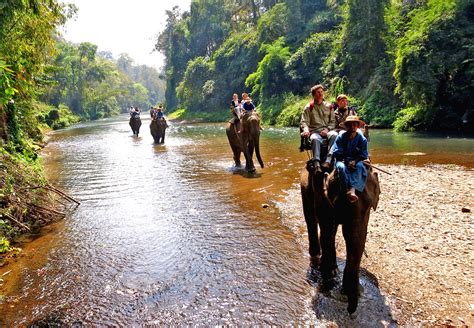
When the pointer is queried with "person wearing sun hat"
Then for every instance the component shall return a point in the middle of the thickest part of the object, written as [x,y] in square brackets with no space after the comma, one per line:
[351,151]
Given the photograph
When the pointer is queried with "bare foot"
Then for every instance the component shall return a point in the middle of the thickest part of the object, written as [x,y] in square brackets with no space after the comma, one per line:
[352,197]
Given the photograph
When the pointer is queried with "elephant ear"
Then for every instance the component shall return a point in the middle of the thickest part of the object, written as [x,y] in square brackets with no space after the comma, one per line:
[376,190]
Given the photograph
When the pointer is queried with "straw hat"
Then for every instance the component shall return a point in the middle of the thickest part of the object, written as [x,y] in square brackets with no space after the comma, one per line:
[352,118]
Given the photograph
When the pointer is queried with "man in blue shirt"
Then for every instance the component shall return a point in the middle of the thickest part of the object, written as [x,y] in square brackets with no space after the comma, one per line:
[351,151]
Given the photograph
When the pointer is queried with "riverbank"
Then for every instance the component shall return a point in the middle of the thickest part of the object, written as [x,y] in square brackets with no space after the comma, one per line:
[27,202]
[419,243]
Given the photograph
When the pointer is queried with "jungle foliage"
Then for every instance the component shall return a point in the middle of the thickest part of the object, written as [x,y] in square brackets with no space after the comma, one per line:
[407,63]
[48,83]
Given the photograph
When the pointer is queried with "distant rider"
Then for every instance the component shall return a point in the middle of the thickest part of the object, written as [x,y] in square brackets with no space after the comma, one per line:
[134,112]
[247,108]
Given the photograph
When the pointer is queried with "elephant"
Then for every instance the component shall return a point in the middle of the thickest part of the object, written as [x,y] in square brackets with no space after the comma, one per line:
[158,130]
[246,141]
[135,123]
[325,204]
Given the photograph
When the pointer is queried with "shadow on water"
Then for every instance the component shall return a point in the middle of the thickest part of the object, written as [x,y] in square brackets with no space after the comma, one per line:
[329,304]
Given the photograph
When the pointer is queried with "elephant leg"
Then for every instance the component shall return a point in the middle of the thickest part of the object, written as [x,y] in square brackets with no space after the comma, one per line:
[312,226]
[236,152]
[328,247]
[355,234]
[250,157]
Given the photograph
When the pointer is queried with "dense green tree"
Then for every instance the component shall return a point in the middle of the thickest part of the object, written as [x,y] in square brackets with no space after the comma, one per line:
[191,90]
[27,39]
[174,44]
[435,65]
[360,47]
[273,24]
[304,67]
[209,23]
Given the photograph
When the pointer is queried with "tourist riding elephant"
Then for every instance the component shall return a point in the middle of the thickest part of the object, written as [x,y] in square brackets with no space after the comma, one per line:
[158,129]
[135,124]
[326,204]
[246,141]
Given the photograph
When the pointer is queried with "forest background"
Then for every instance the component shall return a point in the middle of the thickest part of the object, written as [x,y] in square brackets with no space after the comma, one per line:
[407,64]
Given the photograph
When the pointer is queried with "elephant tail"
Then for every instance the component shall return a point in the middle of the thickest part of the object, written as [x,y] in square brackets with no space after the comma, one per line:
[376,192]
[257,152]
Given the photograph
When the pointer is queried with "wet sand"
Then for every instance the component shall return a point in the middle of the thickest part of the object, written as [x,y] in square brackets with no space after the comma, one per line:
[419,245]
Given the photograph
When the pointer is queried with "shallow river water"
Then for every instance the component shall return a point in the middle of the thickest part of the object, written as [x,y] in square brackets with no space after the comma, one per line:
[173,234]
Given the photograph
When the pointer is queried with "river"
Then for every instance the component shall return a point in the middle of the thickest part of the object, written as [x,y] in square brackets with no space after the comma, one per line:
[173,234]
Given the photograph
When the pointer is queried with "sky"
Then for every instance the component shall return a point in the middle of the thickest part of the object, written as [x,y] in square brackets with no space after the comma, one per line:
[121,26]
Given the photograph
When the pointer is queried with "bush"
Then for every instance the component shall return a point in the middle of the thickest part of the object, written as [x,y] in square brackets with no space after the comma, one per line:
[407,119]
[292,108]
[4,245]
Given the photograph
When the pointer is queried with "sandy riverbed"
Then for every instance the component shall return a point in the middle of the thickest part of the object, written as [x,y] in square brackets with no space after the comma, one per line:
[420,244]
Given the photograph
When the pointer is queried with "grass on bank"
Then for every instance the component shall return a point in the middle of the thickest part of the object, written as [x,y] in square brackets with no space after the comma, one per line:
[186,115]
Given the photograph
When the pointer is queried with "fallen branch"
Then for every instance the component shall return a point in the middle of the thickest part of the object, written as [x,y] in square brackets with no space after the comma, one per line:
[49,210]
[62,193]
[18,222]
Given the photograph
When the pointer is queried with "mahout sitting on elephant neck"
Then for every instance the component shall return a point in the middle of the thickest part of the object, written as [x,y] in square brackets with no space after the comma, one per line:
[326,206]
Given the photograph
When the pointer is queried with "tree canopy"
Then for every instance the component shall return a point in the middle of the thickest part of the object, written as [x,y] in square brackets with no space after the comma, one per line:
[406,64]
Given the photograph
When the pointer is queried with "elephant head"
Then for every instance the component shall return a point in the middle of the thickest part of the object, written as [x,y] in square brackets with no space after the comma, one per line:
[157,130]
[246,141]
[325,204]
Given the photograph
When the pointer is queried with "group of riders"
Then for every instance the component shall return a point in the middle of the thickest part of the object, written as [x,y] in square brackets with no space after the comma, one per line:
[156,113]
[333,132]
[241,109]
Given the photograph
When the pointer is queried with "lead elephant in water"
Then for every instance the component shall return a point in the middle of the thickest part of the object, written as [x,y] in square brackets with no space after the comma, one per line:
[325,204]
[158,130]
[135,123]
[246,141]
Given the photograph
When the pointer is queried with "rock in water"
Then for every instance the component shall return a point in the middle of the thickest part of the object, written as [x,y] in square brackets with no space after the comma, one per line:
[415,153]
